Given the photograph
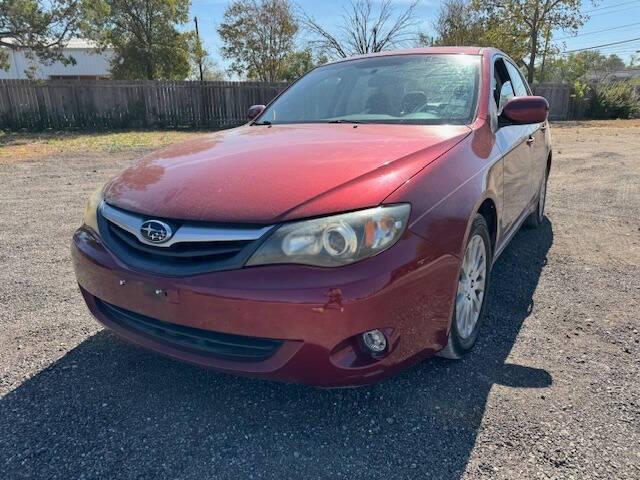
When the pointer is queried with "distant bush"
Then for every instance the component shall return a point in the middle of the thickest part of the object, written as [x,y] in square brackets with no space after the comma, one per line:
[615,100]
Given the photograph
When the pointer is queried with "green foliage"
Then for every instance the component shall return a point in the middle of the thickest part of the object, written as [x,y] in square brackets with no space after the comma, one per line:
[211,71]
[615,100]
[41,27]
[461,23]
[586,65]
[145,37]
[200,58]
[300,62]
[259,36]
[532,21]
[580,89]
[457,24]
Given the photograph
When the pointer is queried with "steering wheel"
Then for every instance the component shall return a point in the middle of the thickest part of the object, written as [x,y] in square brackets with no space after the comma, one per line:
[426,108]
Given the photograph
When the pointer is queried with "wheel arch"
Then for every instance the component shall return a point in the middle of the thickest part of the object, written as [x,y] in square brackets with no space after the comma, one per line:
[489,211]
[487,206]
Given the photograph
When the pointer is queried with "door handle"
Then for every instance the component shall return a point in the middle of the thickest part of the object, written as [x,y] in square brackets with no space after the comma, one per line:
[530,140]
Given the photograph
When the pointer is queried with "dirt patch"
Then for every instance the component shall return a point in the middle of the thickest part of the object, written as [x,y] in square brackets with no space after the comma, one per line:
[606,124]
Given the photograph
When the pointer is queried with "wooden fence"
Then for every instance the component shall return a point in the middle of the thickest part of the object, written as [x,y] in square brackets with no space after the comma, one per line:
[559,97]
[88,104]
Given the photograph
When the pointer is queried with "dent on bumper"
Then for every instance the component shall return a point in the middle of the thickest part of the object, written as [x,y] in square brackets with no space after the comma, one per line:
[316,312]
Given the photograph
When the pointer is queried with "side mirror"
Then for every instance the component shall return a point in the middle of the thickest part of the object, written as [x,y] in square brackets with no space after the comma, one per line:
[254,111]
[525,110]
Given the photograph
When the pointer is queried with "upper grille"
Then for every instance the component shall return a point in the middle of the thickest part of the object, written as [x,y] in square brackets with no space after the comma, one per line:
[195,247]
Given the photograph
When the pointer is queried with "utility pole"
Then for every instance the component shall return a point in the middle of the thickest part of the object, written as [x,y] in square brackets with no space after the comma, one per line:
[195,20]
[547,36]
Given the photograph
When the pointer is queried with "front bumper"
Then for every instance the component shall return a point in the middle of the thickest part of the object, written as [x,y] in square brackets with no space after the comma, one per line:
[316,313]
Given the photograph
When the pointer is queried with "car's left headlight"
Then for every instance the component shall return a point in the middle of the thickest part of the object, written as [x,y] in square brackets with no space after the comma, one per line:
[90,217]
[336,240]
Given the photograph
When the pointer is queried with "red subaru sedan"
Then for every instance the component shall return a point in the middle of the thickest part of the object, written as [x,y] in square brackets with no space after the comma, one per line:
[348,230]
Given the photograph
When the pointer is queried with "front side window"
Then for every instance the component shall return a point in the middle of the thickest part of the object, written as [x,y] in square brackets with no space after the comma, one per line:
[506,94]
[502,87]
[516,80]
[401,89]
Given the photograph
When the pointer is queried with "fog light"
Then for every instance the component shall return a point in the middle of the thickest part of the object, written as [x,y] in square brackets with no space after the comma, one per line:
[375,341]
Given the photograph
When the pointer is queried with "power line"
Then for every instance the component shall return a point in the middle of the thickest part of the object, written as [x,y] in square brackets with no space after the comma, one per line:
[626,46]
[598,31]
[603,45]
[618,52]
[614,11]
[610,6]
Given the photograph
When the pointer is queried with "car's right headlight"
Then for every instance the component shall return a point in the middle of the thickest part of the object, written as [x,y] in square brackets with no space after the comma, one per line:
[90,218]
[335,240]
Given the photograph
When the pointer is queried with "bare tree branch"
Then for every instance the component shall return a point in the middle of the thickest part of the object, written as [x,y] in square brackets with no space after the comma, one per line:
[365,29]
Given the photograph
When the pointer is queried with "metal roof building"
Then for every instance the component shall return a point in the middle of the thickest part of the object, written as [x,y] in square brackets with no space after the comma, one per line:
[91,63]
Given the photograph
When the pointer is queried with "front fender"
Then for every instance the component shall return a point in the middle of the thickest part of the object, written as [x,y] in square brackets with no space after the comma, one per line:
[446,195]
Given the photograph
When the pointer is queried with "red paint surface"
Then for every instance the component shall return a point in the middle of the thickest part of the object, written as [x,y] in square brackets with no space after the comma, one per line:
[260,174]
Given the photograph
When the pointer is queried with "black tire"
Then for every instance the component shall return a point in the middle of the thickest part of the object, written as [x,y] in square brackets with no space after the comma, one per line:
[457,345]
[537,216]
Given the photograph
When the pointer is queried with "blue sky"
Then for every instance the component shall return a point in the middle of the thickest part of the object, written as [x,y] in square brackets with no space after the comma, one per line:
[607,14]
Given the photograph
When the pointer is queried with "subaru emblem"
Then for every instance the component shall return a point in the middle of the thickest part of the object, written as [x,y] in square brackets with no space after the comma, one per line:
[155,231]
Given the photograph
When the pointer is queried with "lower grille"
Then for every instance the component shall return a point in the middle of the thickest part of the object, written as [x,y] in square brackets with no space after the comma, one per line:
[220,345]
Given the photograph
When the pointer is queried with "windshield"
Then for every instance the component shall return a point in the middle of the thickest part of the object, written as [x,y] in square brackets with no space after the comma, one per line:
[400,89]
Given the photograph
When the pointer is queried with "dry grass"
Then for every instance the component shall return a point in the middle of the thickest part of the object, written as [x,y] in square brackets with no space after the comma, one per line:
[27,146]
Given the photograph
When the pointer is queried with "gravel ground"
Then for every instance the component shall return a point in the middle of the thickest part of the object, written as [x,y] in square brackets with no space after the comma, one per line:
[551,390]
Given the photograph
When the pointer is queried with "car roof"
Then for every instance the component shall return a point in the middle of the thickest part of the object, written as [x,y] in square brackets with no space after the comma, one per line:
[425,51]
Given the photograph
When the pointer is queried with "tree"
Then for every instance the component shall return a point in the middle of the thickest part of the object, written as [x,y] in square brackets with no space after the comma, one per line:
[539,17]
[41,28]
[615,100]
[144,36]
[211,71]
[300,62]
[201,62]
[258,36]
[365,29]
[586,65]
[459,23]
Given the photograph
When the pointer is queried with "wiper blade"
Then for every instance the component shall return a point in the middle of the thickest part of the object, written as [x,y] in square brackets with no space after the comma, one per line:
[265,122]
[344,121]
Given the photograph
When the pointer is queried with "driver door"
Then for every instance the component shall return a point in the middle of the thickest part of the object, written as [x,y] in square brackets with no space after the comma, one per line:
[513,142]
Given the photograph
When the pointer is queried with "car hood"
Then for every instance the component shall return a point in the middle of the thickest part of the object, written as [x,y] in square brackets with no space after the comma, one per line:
[260,174]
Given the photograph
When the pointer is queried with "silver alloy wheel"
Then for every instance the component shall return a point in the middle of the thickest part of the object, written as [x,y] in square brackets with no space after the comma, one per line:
[542,199]
[471,286]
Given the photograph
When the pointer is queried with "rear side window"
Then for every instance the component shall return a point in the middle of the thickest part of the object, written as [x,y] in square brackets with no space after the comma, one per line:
[516,81]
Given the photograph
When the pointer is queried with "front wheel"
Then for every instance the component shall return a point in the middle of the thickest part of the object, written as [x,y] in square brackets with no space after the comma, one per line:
[473,283]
